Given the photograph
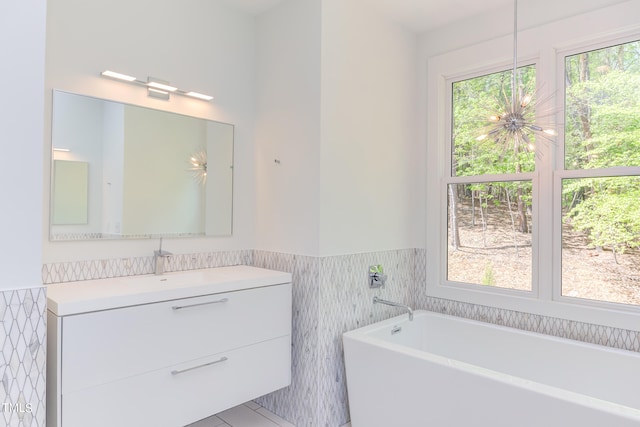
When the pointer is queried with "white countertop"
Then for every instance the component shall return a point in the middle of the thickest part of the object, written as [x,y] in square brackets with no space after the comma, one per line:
[70,298]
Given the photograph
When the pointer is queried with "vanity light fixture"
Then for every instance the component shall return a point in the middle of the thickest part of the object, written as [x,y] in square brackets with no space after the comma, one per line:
[156,88]
[64,150]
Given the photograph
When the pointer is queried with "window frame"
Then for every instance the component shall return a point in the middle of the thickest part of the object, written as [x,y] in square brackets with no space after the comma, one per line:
[561,173]
[548,56]
[449,178]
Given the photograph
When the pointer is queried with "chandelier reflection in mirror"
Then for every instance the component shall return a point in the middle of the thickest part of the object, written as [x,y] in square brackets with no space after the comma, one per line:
[516,122]
[198,167]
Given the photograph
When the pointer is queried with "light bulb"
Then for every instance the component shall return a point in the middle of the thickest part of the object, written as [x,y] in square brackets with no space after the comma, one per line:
[199,96]
[161,86]
[118,76]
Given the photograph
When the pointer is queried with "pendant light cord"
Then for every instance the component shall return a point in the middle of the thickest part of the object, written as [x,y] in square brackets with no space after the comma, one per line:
[515,54]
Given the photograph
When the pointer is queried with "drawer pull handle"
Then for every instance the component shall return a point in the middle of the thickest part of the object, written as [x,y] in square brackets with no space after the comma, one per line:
[182,371]
[180,307]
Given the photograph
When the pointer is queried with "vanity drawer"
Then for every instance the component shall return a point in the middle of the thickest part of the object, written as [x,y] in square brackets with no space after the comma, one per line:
[165,399]
[106,346]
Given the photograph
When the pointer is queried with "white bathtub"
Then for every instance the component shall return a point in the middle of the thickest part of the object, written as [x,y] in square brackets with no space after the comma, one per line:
[442,371]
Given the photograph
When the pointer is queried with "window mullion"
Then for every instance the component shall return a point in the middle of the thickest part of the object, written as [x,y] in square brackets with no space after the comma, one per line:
[528,176]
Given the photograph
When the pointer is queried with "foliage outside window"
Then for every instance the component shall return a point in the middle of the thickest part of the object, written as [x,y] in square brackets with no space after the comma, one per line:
[489,220]
[490,188]
[601,205]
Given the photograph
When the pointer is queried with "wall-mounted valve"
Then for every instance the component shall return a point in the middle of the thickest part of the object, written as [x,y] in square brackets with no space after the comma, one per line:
[377,278]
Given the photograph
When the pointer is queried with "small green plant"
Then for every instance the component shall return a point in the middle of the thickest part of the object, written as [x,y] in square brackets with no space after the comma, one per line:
[489,278]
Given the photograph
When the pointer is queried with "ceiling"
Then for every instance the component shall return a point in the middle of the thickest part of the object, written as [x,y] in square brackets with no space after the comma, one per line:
[418,15]
[426,15]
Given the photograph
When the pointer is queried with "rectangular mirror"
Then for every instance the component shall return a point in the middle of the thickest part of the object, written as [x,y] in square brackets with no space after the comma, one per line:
[137,172]
[70,191]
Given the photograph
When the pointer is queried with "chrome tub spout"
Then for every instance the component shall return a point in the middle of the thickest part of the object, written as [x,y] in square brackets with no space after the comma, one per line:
[377,300]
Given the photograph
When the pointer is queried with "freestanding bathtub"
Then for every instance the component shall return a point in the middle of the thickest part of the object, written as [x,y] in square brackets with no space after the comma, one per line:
[442,371]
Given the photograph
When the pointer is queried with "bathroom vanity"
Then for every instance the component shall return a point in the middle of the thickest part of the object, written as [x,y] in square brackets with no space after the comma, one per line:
[165,350]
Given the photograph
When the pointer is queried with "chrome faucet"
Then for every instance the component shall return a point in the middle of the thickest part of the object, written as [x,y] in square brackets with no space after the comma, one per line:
[394,304]
[377,278]
[159,257]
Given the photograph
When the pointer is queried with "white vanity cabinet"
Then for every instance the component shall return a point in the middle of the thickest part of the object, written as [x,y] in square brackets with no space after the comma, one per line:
[166,350]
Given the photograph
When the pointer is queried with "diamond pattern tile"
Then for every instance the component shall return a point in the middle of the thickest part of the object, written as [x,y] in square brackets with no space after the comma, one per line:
[22,357]
[346,304]
[298,402]
[75,236]
[330,296]
[121,267]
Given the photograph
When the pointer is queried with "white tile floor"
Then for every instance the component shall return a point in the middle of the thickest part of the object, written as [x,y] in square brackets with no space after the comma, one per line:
[248,415]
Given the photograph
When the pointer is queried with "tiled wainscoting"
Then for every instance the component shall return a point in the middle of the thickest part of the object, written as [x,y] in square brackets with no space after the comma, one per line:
[330,296]
[23,357]
[580,331]
[120,267]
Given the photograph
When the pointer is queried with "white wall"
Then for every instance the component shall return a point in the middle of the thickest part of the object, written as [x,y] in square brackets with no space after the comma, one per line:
[288,128]
[79,120]
[202,45]
[370,152]
[351,177]
[337,162]
[336,130]
[22,30]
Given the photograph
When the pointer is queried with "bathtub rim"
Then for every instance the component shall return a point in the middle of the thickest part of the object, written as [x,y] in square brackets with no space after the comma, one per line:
[404,319]
[363,335]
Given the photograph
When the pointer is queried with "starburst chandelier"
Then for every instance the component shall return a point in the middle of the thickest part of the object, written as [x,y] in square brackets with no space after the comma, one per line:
[198,163]
[516,121]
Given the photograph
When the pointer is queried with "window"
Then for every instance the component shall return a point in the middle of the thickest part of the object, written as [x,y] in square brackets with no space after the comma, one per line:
[553,229]
[601,197]
[489,189]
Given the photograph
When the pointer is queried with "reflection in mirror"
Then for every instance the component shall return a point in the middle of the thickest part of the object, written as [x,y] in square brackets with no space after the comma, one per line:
[70,191]
[147,173]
